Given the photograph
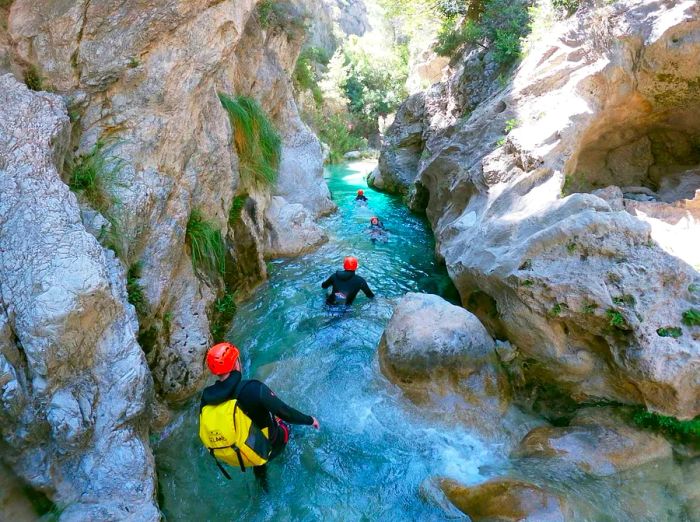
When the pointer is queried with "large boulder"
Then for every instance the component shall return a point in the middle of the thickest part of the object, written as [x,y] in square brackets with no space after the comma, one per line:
[506,500]
[591,293]
[443,357]
[426,334]
[598,441]
[74,383]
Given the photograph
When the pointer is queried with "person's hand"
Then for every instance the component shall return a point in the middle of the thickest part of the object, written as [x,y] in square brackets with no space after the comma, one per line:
[315,424]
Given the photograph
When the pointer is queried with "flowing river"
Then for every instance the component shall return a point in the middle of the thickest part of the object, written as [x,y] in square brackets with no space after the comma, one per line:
[377,455]
[376,452]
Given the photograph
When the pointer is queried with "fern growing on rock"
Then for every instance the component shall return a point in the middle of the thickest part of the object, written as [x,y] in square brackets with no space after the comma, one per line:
[257,142]
[206,243]
[93,174]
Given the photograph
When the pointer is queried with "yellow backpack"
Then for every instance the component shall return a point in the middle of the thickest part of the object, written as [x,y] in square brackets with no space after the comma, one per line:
[230,435]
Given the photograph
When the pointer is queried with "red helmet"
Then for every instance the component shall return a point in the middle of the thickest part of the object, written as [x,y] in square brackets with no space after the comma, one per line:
[221,358]
[374,220]
[360,192]
[350,263]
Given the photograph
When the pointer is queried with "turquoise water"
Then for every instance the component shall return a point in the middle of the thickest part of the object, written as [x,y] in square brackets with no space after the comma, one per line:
[376,453]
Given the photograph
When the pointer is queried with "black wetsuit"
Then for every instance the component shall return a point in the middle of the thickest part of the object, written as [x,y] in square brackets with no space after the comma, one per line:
[262,406]
[345,283]
[361,198]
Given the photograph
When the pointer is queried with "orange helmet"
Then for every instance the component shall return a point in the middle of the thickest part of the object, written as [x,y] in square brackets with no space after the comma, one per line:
[360,192]
[374,220]
[350,263]
[221,358]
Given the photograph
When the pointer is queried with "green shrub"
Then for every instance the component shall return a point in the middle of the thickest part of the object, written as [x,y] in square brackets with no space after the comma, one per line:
[32,79]
[451,37]
[567,6]
[557,309]
[617,320]
[625,300]
[335,132]
[510,125]
[167,324]
[589,308]
[234,213]
[684,431]
[504,23]
[571,247]
[304,76]
[93,173]
[691,317]
[257,141]
[506,47]
[265,12]
[135,291]
[285,15]
[528,282]
[669,331]
[224,309]
[206,244]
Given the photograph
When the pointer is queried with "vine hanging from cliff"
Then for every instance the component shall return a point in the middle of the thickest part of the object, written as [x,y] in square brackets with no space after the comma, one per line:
[257,142]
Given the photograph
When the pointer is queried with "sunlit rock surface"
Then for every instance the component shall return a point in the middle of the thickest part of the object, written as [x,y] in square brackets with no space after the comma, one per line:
[506,500]
[580,282]
[74,384]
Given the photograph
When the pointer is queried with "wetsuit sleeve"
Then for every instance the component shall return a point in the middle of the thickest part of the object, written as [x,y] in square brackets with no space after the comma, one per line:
[281,409]
[328,282]
[366,290]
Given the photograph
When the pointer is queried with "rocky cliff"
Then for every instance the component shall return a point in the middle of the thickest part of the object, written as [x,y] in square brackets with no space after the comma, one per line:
[564,200]
[140,80]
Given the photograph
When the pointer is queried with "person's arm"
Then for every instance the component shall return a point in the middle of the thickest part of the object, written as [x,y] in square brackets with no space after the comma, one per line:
[328,282]
[366,290]
[282,410]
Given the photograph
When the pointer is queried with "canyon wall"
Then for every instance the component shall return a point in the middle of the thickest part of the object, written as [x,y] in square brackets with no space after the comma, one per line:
[565,200]
[139,83]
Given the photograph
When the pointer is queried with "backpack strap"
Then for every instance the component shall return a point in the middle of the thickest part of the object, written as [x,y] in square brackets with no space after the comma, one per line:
[239,388]
[218,464]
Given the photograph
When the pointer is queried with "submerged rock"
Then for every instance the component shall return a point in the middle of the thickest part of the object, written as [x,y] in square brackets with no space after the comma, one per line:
[74,382]
[598,441]
[506,500]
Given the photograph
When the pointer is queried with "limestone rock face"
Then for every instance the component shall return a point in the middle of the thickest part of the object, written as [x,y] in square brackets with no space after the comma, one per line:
[144,77]
[597,442]
[74,383]
[398,162]
[580,283]
[506,500]
[291,231]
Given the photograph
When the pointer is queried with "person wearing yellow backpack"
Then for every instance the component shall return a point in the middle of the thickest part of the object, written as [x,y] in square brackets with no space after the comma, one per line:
[242,422]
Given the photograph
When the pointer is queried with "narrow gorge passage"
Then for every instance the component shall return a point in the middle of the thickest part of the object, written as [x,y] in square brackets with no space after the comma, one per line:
[375,451]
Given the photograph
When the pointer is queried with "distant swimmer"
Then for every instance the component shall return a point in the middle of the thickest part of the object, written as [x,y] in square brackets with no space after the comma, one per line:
[376,224]
[346,284]
[376,230]
[361,196]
